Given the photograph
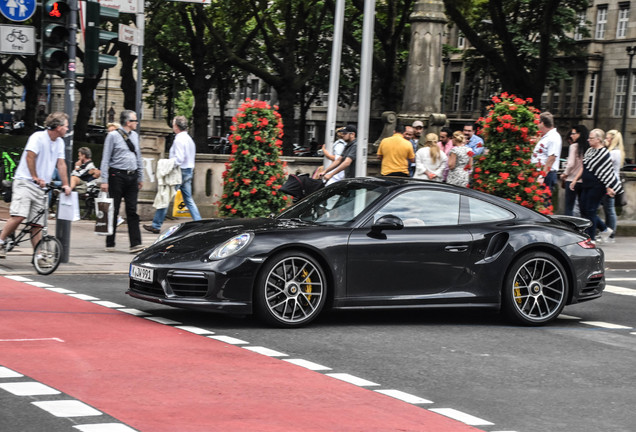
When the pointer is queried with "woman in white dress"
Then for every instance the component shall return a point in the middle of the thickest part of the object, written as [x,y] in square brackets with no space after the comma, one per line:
[430,162]
[460,161]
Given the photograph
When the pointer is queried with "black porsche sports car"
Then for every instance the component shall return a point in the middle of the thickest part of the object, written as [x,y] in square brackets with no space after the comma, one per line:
[376,243]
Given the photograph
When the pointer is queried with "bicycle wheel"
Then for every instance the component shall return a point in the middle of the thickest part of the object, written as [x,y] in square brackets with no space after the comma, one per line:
[47,255]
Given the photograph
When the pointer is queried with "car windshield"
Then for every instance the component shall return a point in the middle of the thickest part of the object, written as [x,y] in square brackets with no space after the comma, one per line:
[338,204]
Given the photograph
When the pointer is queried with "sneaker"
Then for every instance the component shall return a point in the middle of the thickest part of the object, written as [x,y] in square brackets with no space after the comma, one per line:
[136,249]
[151,229]
[120,220]
[605,235]
[611,240]
[110,249]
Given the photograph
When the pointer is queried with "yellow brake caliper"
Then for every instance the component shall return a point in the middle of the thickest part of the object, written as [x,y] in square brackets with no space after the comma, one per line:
[517,293]
[307,282]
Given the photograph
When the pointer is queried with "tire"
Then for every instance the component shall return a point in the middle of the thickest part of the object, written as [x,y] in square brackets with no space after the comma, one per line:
[535,290]
[47,255]
[291,290]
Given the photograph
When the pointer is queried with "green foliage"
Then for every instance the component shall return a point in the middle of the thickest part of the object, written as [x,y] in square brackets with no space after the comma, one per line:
[509,131]
[184,103]
[254,172]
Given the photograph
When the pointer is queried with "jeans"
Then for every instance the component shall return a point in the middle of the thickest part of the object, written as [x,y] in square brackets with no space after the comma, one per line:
[121,185]
[589,202]
[550,181]
[186,192]
[610,212]
[570,197]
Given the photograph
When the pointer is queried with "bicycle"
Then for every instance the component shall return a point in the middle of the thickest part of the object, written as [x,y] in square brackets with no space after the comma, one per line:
[47,253]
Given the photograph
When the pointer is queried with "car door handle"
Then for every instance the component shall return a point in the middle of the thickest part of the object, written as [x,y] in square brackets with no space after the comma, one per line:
[460,248]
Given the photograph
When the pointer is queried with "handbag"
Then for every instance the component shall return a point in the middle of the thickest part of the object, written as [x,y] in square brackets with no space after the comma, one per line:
[105,212]
[179,208]
[68,207]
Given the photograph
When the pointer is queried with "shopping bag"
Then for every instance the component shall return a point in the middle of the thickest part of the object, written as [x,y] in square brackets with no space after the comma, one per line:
[179,208]
[68,207]
[105,211]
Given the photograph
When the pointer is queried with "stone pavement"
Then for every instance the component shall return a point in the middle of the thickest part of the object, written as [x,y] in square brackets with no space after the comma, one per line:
[88,254]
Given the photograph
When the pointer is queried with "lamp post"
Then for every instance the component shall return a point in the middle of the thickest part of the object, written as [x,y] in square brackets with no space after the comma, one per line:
[631,50]
[446,60]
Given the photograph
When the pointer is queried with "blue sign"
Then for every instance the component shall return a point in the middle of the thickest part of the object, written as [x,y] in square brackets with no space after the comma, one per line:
[17,10]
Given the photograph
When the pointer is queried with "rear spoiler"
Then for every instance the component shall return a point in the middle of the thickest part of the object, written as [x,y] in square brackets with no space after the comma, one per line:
[577,223]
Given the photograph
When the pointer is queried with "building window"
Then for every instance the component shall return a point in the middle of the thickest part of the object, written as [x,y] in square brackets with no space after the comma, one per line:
[632,96]
[556,99]
[567,100]
[456,92]
[267,92]
[461,41]
[580,92]
[623,20]
[601,22]
[591,99]
[620,95]
[578,33]
[254,89]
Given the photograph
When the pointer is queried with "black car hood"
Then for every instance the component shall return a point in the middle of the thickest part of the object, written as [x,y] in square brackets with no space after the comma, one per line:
[207,234]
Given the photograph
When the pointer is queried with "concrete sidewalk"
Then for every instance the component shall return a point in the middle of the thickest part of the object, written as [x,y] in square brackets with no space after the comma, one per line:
[88,254]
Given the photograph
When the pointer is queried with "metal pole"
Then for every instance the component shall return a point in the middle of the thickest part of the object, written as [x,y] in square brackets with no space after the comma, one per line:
[63,227]
[334,78]
[364,97]
[630,52]
[106,99]
[140,61]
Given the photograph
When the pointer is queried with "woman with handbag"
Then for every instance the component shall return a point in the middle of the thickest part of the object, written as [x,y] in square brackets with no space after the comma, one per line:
[578,147]
[616,149]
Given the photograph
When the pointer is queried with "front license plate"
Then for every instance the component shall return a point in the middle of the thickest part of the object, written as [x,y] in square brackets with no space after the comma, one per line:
[141,274]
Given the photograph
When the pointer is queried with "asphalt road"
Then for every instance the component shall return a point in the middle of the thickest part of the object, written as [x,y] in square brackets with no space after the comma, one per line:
[576,375]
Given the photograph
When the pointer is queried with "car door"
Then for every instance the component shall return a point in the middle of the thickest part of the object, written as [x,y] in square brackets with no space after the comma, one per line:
[428,256]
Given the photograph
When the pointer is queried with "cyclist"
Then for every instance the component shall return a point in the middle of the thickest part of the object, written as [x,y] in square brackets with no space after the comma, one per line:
[43,152]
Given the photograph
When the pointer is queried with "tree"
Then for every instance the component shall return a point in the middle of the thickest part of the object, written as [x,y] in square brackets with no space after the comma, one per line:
[254,172]
[519,39]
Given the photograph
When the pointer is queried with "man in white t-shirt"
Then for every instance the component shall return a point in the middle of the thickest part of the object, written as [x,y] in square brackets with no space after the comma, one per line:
[548,149]
[337,148]
[44,152]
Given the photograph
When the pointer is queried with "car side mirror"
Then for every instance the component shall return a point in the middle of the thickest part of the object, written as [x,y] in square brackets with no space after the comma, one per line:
[387,222]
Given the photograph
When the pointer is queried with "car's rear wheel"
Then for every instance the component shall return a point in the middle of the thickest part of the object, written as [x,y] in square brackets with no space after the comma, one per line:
[290,290]
[535,289]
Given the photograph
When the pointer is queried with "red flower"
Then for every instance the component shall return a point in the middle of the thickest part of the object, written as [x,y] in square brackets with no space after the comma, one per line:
[245,152]
[470,153]
[236,194]
[504,175]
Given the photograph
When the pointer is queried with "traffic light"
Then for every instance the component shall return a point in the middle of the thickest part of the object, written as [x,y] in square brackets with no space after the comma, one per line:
[55,34]
[96,36]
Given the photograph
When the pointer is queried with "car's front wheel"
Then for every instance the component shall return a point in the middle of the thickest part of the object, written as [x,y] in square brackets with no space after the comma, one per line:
[536,289]
[291,289]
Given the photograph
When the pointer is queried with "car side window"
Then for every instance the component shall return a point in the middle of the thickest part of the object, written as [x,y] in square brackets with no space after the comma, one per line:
[423,208]
[482,211]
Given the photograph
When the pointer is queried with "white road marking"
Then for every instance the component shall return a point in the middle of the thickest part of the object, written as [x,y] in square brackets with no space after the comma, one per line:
[352,379]
[18,278]
[161,320]
[108,304]
[61,290]
[33,339]
[406,397]
[67,408]
[39,284]
[620,279]
[135,312]
[195,330]
[104,427]
[620,290]
[265,351]
[462,417]
[8,373]
[568,317]
[28,388]
[307,364]
[85,297]
[229,339]
[606,325]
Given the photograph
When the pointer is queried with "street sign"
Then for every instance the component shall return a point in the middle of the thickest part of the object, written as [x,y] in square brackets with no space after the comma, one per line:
[129,35]
[17,10]
[124,6]
[16,39]
[194,1]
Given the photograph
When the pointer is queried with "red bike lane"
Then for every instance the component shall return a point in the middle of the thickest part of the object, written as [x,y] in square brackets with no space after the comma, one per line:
[155,377]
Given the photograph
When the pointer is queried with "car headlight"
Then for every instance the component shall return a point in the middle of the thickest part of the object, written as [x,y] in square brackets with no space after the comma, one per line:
[167,233]
[231,246]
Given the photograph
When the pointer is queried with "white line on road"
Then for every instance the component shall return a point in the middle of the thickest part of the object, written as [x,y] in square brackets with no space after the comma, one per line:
[307,364]
[406,397]
[162,320]
[620,279]
[135,312]
[462,417]
[352,379]
[195,330]
[67,408]
[620,290]
[28,388]
[265,351]
[40,284]
[18,278]
[229,339]
[8,373]
[61,290]
[33,339]
[108,304]
[606,325]
[85,297]
[104,427]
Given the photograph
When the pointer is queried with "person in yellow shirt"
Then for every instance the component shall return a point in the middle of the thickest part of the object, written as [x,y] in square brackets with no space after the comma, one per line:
[396,152]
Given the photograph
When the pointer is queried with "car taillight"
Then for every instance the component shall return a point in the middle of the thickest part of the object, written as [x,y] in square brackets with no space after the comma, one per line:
[587,244]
